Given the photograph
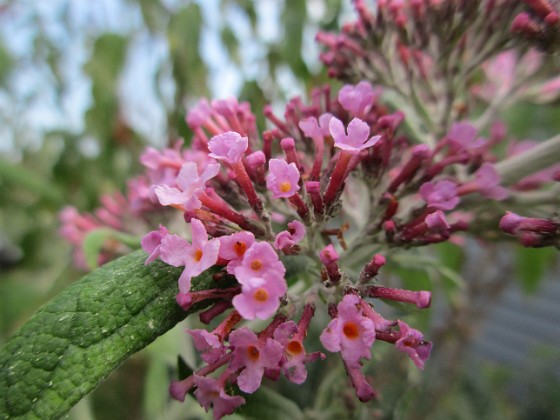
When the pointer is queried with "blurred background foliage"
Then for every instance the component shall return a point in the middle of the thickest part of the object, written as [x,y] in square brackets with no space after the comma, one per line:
[85,86]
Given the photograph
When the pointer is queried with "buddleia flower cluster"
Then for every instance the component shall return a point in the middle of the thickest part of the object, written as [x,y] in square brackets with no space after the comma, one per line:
[301,217]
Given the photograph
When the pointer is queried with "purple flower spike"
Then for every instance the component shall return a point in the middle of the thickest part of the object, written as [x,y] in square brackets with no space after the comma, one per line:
[357,138]
[228,147]
[440,195]
[211,392]
[350,333]
[254,356]
[412,342]
[282,179]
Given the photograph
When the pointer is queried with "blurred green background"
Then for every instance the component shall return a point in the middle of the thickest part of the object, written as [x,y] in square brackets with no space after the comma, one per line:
[85,86]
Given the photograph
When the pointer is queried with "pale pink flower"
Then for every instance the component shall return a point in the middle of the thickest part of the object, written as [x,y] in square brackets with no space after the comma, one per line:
[151,243]
[282,179]
[208,344]
[357,99]
[295,355]
[189,184]
[488,181]
[440,195]
[254,356]
[233,247]
[290,237]
[350,333]
[314,128]
[211,392]
[260,260]
[196,257]
[228,146]
[260,297]
[412,342]
[357,138]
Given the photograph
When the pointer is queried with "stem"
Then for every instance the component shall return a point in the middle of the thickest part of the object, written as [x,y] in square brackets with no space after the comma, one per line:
[540,157]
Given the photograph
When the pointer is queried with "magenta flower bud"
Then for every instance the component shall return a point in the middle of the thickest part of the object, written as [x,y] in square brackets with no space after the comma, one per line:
[328,255]
[372,268]
[422,299]
[420,153]
[437,223]
[313,188]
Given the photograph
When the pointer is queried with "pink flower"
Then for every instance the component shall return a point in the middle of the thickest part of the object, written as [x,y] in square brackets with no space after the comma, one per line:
[295,355]
[233,247]
[254,356]
[357,138]
[412,342]
[228,147]
[314,128]
[488,181]
[208,344]
[151,243]
[440,195]
[463,136]
[260,261]
[350,332]
[357,99]
[260,297]
[211,392]
[189,184]
[282,179]
[196,257]
[290,237]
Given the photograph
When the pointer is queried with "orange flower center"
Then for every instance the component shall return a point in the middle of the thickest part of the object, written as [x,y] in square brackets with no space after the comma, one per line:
[294,347]
[261,295]
[198,255]
[240,248]
[256,265]
[253,353]
[285,186]
[351,330]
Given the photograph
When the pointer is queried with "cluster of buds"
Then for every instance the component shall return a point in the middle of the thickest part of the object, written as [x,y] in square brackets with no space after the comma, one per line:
[540,23]
[426,54]
[532,232]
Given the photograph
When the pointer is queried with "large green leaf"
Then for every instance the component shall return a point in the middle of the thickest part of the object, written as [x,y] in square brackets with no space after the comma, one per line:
[77,339]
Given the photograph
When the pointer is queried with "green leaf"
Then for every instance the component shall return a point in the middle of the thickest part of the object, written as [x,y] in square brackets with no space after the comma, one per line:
[532,264]
[93,244]
[269,404]
[74,342]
